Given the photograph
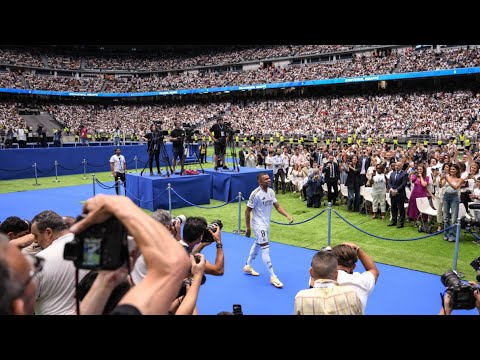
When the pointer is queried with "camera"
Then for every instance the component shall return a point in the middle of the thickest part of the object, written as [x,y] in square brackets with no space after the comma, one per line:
[237,309]
[476,266]
[229,129]
[100,247]
[180,219]
[461,293]
[207,237]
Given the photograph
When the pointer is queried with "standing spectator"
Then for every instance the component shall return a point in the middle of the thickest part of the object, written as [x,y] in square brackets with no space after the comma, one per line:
[21,137]
[331,173]
[84,135]
[353,184]
[260,203]
[378,182]
[396,184]
[451,201]
[420,181]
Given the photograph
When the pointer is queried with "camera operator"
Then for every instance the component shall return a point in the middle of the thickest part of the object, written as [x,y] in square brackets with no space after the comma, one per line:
[219,135]
[154,138]
[118,166]
[167,262]
[177,137]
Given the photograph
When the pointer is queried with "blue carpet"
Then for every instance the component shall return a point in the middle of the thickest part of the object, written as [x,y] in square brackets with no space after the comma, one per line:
[398,292]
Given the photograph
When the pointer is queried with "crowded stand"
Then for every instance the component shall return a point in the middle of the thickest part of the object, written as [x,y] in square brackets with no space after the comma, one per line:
[361,64]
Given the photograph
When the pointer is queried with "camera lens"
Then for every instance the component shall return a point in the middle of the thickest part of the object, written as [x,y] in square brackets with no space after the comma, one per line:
[450,279]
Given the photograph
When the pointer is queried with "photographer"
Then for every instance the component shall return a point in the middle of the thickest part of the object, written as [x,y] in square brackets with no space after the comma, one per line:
[167,262]
[447,304]
[177,137]
[154,138]
[219,135]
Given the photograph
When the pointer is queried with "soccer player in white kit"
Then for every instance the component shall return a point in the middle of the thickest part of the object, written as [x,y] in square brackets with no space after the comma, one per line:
[260,203]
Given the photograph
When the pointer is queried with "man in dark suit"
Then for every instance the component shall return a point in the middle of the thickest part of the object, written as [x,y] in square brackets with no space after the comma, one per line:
[242,155]
[364,165]
[396,185]
[331,173]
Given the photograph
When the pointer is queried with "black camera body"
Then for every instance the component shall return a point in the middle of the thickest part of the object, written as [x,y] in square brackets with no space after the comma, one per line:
[100,247]
[461,294]
[207,237]
[476,265]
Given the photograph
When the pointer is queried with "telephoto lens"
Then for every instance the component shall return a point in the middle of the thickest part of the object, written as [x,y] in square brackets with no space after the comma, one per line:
[180,218]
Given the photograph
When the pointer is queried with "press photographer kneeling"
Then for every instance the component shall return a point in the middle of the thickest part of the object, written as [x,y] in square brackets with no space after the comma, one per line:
[459,294]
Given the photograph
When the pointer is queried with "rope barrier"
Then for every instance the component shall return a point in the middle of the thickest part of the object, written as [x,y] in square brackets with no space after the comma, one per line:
[104,186]
[134,197]
[64,168]
[203,207]
[300,222]
[46,173]
[94,165]
[16,169]
[391,239]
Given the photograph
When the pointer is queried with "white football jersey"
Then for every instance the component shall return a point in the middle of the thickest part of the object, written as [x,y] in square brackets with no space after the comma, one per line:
[261,202]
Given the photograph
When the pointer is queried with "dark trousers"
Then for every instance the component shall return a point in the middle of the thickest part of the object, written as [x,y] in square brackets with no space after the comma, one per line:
[332,196]
[314,200]
[120,176]
[398,206]
[155,155]
[280,174]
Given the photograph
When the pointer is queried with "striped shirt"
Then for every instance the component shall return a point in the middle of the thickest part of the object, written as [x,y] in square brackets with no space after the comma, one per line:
[328,297]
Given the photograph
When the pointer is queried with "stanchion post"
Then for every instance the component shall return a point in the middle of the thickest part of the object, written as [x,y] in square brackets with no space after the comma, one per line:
[239,230]
[136,159]
[169,198]
[457,242]
[56,172]
[93,182]
[36,180]
[84,169]
[329,220]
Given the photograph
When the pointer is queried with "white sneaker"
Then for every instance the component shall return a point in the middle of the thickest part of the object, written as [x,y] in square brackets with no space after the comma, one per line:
[275,282]
[249,270]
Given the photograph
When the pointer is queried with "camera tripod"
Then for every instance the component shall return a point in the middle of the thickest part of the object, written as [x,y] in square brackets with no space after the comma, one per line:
[233,153]
[157,140]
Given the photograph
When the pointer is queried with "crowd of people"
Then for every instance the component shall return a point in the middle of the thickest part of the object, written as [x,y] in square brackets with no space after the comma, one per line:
[361,64]
[438,114]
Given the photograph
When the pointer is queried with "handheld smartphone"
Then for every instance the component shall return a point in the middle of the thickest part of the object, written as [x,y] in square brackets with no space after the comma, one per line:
[237,309]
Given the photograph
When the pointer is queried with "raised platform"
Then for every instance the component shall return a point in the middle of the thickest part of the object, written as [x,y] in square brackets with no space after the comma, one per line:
[226,183]
[148,192]
[17,163]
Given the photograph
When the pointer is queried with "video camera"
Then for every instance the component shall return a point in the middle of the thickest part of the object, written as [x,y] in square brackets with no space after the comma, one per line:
[207,237]
[461,293]
[160,132]
[229,129]
[100,247]
[189,131]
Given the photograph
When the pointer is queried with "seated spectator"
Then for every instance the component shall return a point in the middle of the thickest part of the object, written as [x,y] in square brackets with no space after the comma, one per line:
[327,297]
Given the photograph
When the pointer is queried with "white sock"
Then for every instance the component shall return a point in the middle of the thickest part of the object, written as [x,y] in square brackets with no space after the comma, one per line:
[253,253]
[266,259]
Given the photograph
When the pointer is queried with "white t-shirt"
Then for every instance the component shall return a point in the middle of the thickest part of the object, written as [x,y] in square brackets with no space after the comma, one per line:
[118,162]
[363,283]
[56,281]
[261,202]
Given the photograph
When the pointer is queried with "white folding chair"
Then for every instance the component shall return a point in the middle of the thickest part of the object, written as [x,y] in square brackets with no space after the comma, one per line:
[424,207]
